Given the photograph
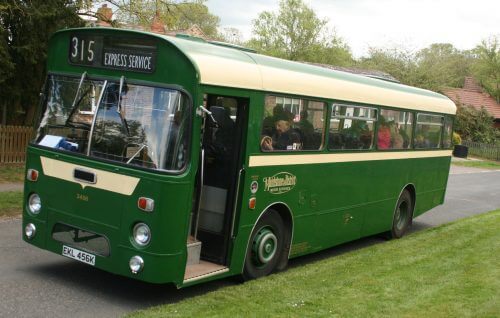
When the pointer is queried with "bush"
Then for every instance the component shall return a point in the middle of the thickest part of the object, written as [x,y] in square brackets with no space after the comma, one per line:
[475,125]
[457,140]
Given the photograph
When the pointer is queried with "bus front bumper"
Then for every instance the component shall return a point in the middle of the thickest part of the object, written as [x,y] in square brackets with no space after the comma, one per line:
[156,268]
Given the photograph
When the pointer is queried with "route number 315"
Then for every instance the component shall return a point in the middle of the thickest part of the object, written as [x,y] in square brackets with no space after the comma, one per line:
[82,50]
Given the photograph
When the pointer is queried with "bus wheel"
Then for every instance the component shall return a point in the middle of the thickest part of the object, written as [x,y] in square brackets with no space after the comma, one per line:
[402,215]
[265,247]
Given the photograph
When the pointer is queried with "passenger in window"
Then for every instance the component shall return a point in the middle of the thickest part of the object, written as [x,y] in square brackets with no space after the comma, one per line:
[397,139]
[284,138]
[306,130]
[268,125]
[383,135]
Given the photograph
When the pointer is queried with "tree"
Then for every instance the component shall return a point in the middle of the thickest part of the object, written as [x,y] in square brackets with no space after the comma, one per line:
[296,33]
[174,15]
[397,61]
[25,27]
[487,66]
[475,125]
[439,65]
[231,35]
[442,65]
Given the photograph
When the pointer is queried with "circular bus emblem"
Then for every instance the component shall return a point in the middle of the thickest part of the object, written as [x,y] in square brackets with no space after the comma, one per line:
[254,186]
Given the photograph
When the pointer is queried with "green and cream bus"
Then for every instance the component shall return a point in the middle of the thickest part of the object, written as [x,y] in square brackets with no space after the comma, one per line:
[177,160]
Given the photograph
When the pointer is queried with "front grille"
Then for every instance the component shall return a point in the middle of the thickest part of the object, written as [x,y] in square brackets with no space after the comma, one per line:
[81,239]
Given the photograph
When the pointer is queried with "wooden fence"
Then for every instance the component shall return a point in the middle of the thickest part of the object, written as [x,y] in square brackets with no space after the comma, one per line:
[491,152]
[13,143]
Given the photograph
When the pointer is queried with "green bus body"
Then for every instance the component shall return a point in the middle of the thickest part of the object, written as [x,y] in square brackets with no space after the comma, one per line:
[326,203]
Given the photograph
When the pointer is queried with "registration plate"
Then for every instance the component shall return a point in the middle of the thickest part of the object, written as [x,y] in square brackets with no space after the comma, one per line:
[78,255]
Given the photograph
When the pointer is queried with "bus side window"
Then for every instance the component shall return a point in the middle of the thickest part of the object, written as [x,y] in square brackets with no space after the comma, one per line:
[394,129]
[352,127]
[428,131]
[292,124]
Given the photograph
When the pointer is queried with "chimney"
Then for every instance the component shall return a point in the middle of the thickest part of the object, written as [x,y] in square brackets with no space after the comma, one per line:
[104,15]
[156,25]
[471,84]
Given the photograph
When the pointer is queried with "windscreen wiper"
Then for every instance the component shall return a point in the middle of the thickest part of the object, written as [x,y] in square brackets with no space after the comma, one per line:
[119,106]
[76,100]
[137,152]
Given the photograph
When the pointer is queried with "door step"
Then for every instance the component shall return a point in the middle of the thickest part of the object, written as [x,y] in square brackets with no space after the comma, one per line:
[194,250]
[202,270]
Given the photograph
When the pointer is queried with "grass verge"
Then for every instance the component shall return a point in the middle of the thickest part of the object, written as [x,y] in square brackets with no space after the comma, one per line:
[449,271]
[12,173]
[479,164]
[11,203]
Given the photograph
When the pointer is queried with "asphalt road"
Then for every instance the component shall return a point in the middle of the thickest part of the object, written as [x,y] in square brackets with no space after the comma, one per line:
[36,283]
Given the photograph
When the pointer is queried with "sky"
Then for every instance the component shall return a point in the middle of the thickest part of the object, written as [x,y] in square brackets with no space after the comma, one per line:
[413,24]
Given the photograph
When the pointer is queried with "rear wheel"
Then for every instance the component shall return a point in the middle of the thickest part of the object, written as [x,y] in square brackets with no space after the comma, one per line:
[402,215]
[266,246]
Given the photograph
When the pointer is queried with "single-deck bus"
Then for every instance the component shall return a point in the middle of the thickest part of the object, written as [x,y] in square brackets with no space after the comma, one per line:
[178,160]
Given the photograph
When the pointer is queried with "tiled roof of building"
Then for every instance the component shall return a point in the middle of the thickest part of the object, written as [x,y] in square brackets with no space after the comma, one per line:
[473,95]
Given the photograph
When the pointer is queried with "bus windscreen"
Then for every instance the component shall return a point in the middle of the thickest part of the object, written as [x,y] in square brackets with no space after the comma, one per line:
[133,124]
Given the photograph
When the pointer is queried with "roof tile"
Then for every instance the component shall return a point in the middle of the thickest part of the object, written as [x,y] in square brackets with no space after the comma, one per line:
[474,98]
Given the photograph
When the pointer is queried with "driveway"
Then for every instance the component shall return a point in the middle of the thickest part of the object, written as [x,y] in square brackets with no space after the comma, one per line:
[37,283]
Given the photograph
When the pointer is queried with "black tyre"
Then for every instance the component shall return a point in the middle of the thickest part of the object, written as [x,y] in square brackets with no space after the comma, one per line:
[403,215]
[265,251]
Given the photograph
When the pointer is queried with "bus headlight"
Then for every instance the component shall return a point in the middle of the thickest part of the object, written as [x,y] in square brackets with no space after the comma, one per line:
[34,203]
[142,234]
[30,230]
[136,264]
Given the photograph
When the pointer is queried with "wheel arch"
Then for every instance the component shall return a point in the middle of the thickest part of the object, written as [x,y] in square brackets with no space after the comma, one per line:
[285,213]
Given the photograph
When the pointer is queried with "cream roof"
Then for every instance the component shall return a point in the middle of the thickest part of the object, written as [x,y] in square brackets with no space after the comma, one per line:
[230,67]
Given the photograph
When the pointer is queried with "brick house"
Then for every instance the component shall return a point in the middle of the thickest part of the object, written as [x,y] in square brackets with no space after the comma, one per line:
[473,95]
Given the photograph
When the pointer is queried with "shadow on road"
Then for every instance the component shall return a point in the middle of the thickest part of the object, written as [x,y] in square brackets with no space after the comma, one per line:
[118,289]
[135,295]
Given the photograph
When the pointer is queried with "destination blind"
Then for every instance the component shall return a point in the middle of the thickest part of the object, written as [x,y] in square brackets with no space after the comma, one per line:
[130,61]
[129,54]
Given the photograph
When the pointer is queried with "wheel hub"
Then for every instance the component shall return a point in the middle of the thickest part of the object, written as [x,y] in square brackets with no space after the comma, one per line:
[264,246]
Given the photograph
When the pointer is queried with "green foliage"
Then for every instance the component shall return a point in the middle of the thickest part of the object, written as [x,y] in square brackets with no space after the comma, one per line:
[11,203]
[475,125]
[25,27]
[482,164]
[456,139]
[11,173]
[398,62]
[439,65]
[296,33]
[442,65]
[487,66]
[174,15]
[6,64]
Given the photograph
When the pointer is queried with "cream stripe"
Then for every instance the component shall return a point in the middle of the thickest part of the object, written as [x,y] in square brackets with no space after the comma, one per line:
[109,181]
[296,159]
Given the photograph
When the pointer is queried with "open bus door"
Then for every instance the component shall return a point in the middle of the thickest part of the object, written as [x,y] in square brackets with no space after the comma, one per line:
[218,185]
